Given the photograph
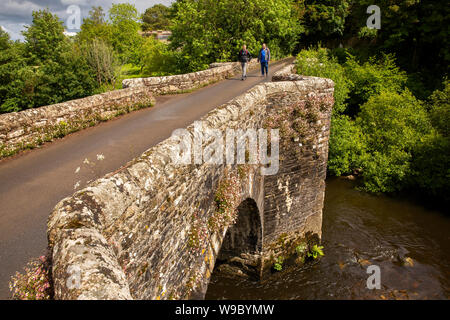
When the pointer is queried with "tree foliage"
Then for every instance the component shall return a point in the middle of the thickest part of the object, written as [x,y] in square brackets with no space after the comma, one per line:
[318,62]
[46,69]
[393,125]
[95,27]
[379,129]
[159,60]
[323,19]
[101,60]
[413,29]
[213,30]
[371,78]
[156,18]
[44,38]
[125,25]
[347,149]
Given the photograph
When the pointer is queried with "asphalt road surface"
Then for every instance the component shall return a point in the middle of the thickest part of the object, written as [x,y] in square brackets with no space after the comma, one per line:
[32,183]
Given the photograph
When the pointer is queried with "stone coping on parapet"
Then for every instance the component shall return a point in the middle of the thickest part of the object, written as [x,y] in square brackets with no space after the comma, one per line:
[189,81]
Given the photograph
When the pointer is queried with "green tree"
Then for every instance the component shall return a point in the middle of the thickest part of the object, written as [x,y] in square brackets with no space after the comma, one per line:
[323,19]
[14,75]
[412,29]
[158,59]
[95,27]
[431,165]
[101,60]
[370,78]
[46,69]
[393,125]
[156,18]
[440,109]
[214,30]
[348,148]
[317,62]
[45,39]
[125,25]
[5,42]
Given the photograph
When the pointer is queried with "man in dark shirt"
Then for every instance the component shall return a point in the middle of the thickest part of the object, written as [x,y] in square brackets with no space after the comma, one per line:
[244,59]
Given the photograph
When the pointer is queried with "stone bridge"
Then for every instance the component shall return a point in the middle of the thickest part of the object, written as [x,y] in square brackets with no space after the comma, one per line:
[155,229]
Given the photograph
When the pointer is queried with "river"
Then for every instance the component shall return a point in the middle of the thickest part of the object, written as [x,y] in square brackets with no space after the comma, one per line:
[409,243]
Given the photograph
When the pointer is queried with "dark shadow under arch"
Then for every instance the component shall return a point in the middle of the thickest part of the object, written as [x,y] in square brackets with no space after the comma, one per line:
[241,247]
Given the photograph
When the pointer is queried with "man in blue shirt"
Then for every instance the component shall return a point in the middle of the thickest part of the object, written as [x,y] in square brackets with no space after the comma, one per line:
[264,59]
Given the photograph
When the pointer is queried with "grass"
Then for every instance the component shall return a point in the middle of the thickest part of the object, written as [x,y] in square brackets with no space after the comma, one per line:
[127,71]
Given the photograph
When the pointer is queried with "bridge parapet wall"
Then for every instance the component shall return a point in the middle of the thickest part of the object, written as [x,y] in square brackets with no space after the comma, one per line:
[151,230]
[187,82]
[32,127]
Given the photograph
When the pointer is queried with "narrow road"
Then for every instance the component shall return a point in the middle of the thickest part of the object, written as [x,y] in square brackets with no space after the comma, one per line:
[32,183]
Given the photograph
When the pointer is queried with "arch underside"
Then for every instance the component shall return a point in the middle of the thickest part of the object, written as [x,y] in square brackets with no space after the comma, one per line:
[240,254]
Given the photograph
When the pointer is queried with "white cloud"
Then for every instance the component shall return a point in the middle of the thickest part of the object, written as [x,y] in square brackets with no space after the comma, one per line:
[15,14]
[14,30]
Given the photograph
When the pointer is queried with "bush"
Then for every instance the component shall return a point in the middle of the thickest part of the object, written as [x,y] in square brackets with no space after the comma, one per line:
[101,60]
[440,109]
[316,62]
[393,125]
[431,167]
[372,77]
[158,60]
[347,146]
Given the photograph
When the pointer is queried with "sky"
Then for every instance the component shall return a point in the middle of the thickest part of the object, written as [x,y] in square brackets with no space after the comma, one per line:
[16,14]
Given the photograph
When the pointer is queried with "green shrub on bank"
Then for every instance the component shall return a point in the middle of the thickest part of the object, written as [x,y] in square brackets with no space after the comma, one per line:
[316,62]
[393,125]
[372,77]
[347,146]
[431,166]
[158,60]
[379,128]
[430,169]
[440,109]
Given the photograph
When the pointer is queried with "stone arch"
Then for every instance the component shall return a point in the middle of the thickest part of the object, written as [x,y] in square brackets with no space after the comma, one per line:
[241,247]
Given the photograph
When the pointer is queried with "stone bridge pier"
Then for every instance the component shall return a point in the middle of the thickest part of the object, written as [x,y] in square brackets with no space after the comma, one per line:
[157,229]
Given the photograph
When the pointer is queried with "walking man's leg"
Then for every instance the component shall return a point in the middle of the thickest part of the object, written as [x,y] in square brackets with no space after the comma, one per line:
[266,66]
[244,70]
[262,68]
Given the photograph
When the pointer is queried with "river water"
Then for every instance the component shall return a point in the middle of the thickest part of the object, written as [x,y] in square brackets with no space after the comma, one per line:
[409,243]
